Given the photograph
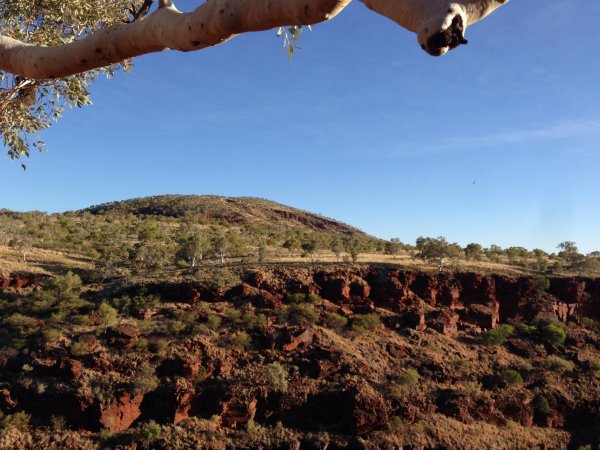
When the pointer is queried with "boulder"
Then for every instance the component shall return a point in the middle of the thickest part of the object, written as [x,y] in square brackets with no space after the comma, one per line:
[237,413]
[293,339]
[124,336]
[121,412]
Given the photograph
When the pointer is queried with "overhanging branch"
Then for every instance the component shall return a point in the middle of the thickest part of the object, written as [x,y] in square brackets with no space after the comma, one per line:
[210,24]
[439,22]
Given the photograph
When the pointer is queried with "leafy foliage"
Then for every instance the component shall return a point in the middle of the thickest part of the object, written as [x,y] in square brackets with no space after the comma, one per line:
[28,106]
[558,364]
[407,377]
[363,323]
[511,377]
[498,335]
[277,376]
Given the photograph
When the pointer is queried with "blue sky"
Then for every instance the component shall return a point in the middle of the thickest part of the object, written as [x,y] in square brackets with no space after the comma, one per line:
[361,126]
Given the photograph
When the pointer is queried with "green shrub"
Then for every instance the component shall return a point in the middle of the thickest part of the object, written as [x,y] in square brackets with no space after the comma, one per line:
[511,377]
[590,324]
[363,323]
[542,322]
[141,345]
[21,323]
[19,420]
[498,336]
[553,334]
[397,424]
[220,280]
[407,377]
[51,335]
[80,319]
[473,389]
[233,315]
[255,430]
[146,380]
[595,368]
[58,423]
[253,321]
[336,321]
[213,321]
[142,302]
[525,330]
[150,432]
[524,366]
[461,364]
[64,287]
[240,339]
[79,349]
[540,404]
[277,377]
[296,298]
[177,326]
[313,298]
[299,313]
[543,283]
[105,436]
[558,364]
[108,315]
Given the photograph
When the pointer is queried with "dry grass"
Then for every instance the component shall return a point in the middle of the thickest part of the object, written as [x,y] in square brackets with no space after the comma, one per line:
[41,261]
[50,261]
[441,431]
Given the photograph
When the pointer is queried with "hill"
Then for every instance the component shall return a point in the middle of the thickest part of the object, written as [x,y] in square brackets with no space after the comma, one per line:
[232,210]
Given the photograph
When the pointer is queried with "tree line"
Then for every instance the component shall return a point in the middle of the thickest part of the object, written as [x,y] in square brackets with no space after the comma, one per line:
[145,244]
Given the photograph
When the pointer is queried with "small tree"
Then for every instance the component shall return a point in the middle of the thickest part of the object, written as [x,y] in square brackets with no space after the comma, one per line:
[337,247]
[437,250]
[22,244]
[393,247]
[65,287]
[570,253]
[292,244]
[473,251]
[108,315]
[312,244]
[192,247]
[277,376]
[517,255]
[541,259]
[354,247]
[493,253]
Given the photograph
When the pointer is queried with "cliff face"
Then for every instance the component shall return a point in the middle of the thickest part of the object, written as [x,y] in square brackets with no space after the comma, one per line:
[483,299]
[420,376]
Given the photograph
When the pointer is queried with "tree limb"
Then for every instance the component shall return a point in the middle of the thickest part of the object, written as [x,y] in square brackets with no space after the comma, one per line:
[436,23]
[212,23]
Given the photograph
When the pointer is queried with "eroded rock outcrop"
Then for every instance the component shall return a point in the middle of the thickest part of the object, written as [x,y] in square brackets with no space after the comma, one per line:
[19,280]
[118,414]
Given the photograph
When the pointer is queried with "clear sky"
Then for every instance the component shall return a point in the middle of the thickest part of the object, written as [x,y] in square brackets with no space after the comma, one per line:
[496,142]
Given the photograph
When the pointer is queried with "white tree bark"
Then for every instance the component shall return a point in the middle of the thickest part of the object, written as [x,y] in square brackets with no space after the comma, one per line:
[427,18]
[215,22]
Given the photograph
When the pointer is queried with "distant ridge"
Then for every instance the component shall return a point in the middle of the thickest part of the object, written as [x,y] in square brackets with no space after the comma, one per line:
[233,210]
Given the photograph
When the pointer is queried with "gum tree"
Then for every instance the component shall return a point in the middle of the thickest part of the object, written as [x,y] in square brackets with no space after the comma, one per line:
[51,50]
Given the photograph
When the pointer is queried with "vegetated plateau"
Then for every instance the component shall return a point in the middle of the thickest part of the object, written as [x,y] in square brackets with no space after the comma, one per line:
[180,322]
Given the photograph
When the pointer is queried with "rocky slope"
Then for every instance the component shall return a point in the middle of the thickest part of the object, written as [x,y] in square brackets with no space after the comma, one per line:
[311,357]
[231,210]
